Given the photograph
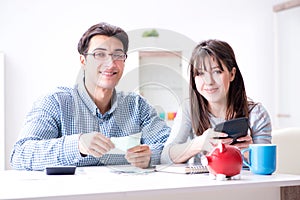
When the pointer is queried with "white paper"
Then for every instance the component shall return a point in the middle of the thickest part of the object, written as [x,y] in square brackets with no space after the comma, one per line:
[124,143]
[129,169]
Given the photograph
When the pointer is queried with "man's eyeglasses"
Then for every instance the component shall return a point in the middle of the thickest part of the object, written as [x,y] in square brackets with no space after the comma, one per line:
[103,56]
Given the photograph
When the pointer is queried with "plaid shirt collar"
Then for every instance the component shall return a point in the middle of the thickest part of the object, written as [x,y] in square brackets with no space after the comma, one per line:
[88,101]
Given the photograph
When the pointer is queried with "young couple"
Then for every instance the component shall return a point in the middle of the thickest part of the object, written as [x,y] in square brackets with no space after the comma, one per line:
[73,126]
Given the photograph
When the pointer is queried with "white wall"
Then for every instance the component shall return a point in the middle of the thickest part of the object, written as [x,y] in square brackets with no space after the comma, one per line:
[39,39]
[287,26]
[2,107]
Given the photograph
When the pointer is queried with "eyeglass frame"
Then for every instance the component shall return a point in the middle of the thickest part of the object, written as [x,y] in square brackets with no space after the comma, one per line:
[108,54]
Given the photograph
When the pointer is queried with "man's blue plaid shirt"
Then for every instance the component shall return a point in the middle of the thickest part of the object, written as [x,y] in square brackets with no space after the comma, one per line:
[52,127]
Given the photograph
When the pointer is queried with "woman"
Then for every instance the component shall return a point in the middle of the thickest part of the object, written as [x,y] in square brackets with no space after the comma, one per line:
[217,94]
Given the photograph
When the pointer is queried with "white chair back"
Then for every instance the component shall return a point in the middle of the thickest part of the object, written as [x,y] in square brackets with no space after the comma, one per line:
[288,150]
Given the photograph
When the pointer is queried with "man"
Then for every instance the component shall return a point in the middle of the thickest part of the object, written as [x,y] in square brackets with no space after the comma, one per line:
[73,126]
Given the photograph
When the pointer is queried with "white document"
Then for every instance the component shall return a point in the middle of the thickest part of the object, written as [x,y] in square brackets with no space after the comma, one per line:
[129,169]
[124,143]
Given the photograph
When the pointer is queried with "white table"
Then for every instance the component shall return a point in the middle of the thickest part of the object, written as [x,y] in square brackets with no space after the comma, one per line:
[100,183]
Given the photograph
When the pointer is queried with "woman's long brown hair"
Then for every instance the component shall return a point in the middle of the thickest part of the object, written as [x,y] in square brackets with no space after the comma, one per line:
[237,102]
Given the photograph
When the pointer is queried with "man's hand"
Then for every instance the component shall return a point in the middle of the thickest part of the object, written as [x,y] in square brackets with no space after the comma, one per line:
[139,156]
[95,144]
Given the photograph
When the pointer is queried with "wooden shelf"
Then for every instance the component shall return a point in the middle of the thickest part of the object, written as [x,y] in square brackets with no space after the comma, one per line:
[160,54]
[286,5]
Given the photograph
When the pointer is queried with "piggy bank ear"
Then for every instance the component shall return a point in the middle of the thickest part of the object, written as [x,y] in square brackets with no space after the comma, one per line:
[221,147]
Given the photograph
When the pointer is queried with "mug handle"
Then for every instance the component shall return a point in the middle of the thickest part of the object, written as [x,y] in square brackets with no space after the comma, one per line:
[243,151]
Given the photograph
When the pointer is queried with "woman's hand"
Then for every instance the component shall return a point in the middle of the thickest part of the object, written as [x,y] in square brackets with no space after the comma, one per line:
[208,140]
[180,153]
[244,142]
[226,141]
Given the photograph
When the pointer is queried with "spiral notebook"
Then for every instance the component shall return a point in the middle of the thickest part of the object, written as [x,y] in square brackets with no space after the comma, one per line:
[182,168]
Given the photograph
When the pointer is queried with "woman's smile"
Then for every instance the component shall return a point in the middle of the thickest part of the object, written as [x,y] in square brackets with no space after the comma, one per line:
[210,90]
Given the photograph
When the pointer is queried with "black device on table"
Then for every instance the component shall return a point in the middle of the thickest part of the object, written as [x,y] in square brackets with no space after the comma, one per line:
[235,128]
[60,170]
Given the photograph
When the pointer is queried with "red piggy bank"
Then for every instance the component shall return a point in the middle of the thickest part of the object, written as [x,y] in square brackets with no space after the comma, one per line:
[224,162]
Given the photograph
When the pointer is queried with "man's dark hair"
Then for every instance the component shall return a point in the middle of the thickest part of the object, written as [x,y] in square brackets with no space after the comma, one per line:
[102,29]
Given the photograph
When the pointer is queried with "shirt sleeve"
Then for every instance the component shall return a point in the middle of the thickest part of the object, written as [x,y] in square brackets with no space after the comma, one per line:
[181,131]
[260,124]
[40,142]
